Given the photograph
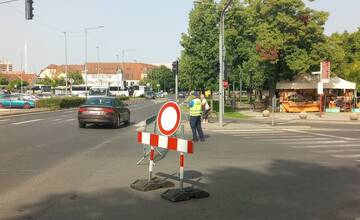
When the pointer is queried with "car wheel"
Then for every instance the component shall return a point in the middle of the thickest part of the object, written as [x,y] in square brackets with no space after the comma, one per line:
[128,119]
[117,122]
[82,125]
[27,106]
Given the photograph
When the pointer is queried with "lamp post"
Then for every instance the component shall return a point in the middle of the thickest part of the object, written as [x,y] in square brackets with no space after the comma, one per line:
[85,66]
[98,60]
[221,61]
[66,65]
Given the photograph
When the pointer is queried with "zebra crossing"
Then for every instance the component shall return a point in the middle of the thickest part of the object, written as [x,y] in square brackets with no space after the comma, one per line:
[337,147]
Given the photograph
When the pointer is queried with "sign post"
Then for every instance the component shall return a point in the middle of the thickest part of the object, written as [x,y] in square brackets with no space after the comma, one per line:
[168,122]
[324,73]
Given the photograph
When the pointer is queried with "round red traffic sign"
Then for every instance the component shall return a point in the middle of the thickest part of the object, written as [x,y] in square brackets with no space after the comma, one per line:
[168,119]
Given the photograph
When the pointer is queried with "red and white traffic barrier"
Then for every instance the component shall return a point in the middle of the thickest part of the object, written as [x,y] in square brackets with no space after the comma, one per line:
[170,143]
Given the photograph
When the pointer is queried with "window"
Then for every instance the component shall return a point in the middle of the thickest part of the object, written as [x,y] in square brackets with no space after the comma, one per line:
[100,101]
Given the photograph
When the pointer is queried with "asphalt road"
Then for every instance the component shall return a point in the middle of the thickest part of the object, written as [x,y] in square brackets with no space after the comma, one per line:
[51,169]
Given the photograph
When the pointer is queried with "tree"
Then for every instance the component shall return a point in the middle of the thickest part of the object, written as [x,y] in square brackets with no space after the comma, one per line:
[3,81]
[77,77]
[199,61]
[160,75]
[16,84]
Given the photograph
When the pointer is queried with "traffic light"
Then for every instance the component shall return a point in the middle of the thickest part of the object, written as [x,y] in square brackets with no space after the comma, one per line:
[175,67]
[29,9]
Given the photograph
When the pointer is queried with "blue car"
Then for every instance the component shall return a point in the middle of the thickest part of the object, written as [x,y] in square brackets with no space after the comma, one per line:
[15,101]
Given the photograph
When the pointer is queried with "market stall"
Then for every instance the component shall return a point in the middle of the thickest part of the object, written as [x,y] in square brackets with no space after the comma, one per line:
[301,94]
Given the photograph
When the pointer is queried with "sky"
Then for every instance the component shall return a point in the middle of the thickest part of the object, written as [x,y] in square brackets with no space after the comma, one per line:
[146,31]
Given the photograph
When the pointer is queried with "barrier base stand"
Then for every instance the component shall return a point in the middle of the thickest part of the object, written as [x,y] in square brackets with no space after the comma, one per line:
[155,183]
[178,195]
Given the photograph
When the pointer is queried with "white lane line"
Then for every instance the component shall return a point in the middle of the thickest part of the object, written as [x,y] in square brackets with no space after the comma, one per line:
[58,119]
[3,120]
[244,130]
[322,135]
[313,142]
[26,122]
[346,156]
[325,146]
[336,151]
[295,140]
[280,137]
[71,119]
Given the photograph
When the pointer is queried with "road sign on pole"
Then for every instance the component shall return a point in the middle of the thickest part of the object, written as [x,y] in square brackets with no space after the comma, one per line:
[169,118]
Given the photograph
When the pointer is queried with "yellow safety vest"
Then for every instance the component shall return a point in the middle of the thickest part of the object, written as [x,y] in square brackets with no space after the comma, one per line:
[196,110]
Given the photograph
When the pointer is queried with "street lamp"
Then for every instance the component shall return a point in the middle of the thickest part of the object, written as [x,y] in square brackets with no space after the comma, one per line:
[85,66]
[66,65]
[98,60]
[221,61]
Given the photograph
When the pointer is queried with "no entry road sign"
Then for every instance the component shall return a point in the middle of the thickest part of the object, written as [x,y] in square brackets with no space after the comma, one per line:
[169,118]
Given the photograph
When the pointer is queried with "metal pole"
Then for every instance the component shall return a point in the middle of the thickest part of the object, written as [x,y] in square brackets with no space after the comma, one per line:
[221,99]
[85,66]
[181,174]
[240,79]
[272,110]
[118,73]
[123,68]
[66,66]
[177,83]
[98,60]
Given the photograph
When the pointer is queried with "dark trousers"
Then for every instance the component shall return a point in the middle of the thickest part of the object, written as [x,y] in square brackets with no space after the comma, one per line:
[195,124]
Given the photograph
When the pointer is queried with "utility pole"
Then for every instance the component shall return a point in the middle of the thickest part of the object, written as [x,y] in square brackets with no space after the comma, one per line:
[98,60]
[66,66]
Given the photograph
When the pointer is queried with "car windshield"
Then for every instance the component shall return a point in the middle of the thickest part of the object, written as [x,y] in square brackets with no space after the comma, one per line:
[97,91]
[99,101]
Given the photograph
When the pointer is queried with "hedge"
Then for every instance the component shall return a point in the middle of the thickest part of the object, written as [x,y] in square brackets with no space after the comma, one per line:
[60,102]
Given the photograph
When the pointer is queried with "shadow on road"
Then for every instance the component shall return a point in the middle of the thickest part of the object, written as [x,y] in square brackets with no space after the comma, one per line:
[285,190]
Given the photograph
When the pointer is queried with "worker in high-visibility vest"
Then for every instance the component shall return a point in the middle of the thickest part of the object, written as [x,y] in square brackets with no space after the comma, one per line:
[195,117]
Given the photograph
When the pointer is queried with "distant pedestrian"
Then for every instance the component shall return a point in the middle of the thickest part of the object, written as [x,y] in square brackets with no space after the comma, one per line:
[205,108]
[195,118]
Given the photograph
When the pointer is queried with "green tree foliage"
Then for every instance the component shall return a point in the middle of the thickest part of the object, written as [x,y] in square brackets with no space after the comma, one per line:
[77,77]
[159,75]
[269,40]
[349,45]
[16,84]
[3,81]
[199,63]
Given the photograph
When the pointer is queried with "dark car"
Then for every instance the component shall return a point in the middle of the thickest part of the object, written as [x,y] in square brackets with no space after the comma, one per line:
[182,95]
[150,95]
[103,111]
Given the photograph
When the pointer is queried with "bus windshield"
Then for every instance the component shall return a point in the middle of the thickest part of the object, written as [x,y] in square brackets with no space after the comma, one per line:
[98,92]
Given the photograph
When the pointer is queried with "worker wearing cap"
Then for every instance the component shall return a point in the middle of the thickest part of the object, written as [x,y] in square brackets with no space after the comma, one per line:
[195,117]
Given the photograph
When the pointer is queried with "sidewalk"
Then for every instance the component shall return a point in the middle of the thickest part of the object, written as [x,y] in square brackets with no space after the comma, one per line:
[14,111]
[283,117]
[281,120]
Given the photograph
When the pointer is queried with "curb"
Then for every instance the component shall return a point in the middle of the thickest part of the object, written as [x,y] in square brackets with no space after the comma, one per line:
[33,112]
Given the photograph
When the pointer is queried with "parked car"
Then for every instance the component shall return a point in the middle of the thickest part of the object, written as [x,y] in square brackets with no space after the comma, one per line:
[182,95]
[103,111]
[150,95]
[16,101]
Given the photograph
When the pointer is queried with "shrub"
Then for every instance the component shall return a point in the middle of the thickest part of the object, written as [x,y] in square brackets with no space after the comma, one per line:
[59,103]
[122,98]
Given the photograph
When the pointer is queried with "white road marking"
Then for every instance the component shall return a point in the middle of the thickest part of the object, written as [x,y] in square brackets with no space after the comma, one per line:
[346,156]
[280,137]
[336,151]
[58,119]
[71,119]
[3,120]
[325,146]
[26,122]
[322,135]
[295,140]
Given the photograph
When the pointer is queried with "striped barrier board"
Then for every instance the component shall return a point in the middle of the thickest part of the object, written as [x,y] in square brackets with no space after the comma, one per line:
[170,143]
